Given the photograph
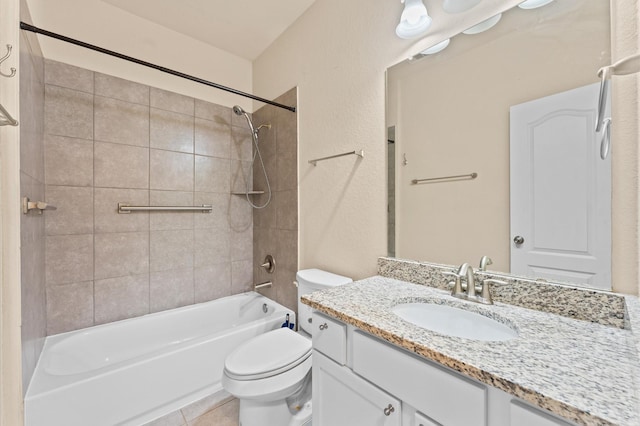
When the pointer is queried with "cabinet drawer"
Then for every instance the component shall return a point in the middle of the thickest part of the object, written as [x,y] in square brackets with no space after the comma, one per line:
[330,337]
[446,397]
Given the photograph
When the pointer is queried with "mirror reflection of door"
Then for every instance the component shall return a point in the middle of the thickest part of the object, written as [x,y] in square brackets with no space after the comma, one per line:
[560,190]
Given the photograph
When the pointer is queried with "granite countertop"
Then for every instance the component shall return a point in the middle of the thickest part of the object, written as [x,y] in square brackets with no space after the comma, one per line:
[582,371]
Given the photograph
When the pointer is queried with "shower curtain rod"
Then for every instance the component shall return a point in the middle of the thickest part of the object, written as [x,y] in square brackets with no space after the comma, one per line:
[28,27]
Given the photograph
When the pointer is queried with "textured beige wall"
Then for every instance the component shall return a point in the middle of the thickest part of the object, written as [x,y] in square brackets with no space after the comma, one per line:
[625,155]
[104,25]
[454,119]
[337,54]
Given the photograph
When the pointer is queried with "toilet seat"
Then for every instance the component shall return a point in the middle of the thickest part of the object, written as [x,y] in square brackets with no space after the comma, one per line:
[267,355]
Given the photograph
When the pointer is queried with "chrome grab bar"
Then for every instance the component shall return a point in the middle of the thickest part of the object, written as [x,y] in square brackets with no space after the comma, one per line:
[125,208]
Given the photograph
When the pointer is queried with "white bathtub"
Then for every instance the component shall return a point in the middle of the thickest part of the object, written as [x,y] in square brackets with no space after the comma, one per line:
[134,371]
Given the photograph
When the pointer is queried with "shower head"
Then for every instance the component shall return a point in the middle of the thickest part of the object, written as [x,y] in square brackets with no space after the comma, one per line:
[239,111]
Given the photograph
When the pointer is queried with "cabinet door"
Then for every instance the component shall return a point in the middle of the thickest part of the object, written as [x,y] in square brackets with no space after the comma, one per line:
[523,415]
[342,398]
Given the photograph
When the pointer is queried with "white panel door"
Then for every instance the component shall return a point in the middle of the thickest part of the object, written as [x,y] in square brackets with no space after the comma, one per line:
[560,190]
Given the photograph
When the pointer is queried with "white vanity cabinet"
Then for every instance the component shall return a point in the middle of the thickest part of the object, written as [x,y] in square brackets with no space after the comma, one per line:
[348,399]
[359,379]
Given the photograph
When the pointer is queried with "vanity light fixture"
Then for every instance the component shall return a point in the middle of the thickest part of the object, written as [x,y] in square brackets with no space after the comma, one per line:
[484,25]
[415,21]
[458,6]
[532,4]
[436,48]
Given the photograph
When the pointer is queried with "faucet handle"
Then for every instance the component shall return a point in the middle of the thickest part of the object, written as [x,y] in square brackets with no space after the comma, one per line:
[486,290]
[457,284]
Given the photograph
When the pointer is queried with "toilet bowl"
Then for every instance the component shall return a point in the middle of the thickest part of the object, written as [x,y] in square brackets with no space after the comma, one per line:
[271,373]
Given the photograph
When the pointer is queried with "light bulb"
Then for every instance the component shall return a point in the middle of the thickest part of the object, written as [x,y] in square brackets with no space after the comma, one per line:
[414,21]
[532,4]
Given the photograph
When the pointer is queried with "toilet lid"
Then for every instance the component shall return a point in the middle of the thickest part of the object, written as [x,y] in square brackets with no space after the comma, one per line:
[267,355]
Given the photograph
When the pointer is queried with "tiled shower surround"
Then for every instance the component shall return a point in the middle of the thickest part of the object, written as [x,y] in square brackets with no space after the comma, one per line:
[109,140]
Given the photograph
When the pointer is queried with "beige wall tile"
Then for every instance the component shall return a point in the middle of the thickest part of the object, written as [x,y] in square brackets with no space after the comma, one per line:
[74,210]
[171,250]
[171,220]
[69,307]
[120,166]
[118,88]
[286,174]
[213,112]
[171,131]
[212,282]
[68,112]
[287,210]
[170,101]
[106,216]
[212,139]
[218,218]
[171,171]
[121,254]
[212,174]
[241,276]
[286,292]
[171,289]
[68,161]
[69,259]
[212,246]
[121,298]
[265,218]
[269,161]
[287,249]
[121,122]
[65,75]
[241,143]
[241,174]
[240,213]
[242,244]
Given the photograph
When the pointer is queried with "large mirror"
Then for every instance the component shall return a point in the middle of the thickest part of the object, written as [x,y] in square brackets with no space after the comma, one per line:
[493,151]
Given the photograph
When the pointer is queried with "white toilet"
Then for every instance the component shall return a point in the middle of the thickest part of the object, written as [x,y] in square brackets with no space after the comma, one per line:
[271,374]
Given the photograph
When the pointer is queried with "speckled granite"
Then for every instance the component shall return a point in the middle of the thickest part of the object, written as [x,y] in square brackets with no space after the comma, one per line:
[585,372]
[557,298]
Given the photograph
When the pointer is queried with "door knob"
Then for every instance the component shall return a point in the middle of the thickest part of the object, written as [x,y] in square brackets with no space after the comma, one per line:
[518,240]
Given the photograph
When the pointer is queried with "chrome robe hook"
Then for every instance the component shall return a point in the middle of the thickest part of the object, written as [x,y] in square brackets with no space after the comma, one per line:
[4,58]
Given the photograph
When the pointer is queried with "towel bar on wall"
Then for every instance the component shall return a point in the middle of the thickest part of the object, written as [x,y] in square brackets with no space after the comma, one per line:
[125,208]
[358,153]
[437,179]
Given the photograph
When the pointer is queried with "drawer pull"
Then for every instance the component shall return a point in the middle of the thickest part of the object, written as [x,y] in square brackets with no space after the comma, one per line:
[387,411]
[324,326]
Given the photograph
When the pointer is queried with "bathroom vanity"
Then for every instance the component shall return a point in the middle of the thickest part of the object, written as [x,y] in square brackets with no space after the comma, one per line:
[372,367]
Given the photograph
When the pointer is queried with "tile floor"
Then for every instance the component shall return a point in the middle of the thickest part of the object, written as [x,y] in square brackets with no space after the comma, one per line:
[219,409]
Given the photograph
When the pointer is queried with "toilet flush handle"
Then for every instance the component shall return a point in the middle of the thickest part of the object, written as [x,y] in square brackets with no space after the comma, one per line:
[324,326]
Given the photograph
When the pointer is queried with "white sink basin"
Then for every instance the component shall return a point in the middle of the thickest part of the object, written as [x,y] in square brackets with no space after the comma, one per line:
[455,322]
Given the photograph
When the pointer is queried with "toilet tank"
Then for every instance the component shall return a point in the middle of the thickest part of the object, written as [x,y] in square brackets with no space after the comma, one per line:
[310,280]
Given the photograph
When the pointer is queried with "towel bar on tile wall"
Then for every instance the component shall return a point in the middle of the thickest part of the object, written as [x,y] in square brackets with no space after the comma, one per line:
[125,208]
